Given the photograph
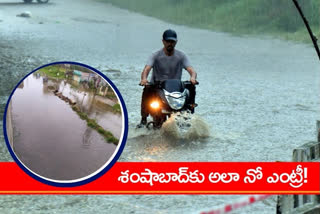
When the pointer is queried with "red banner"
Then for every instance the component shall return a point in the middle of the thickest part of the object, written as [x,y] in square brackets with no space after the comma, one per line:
[180,178]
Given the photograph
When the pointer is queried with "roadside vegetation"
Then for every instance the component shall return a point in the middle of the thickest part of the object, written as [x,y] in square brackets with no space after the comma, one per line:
[93,124]
[116,108]
[53,71]
[277,18]
[58,71]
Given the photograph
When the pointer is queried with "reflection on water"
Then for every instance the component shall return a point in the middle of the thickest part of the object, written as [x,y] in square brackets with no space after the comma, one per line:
[51,139]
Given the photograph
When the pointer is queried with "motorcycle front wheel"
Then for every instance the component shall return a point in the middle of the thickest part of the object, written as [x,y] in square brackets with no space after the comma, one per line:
[158,121]
[27,1]
[42,1]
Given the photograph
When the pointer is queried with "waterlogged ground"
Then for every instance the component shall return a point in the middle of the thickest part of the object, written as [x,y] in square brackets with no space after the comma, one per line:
[258,96]
[50,138]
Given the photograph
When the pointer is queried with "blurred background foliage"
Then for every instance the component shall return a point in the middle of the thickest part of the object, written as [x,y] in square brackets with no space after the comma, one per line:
[278,18]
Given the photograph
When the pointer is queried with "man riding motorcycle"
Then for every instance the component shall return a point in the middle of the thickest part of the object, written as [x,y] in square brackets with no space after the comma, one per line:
[167,63]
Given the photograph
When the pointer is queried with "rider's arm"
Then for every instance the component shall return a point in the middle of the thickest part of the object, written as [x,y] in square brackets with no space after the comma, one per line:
[144,75]
[193,75]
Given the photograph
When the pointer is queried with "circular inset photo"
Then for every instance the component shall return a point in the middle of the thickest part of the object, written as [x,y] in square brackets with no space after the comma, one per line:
[66,123]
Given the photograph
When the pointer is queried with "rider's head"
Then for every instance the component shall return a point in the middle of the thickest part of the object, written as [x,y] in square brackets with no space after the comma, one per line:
[169,40]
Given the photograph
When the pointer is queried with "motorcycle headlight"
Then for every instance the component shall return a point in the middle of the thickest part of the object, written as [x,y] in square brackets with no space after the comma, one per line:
[176,103]
[176,100]
[155,104]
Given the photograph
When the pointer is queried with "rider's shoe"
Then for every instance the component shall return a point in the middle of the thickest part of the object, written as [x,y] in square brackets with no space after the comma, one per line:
[192,107]
[142,123]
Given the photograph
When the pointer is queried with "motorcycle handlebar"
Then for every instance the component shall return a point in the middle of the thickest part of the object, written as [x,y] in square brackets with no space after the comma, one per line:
[187,81]
[146,84]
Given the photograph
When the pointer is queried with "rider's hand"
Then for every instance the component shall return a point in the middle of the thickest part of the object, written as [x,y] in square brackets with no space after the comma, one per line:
[144,82]
[193,81]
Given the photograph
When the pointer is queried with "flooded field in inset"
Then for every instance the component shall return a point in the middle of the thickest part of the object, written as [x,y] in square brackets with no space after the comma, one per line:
[59,124]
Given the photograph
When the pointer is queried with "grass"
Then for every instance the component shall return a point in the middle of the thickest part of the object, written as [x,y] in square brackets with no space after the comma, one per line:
[108,136]
[93,124]
[116,108]
[82,115]
[277,18]
[53,71]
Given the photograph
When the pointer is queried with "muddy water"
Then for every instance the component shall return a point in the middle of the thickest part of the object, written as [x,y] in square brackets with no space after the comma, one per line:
[50,138]
[259,96]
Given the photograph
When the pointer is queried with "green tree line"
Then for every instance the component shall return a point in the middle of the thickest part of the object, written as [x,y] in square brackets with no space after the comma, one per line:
[275,17]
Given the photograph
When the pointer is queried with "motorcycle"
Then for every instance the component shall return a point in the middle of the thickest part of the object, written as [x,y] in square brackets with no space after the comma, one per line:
[39,1]
[170,96]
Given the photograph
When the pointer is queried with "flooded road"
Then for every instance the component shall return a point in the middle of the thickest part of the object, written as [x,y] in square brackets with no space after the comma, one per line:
[50,138]
[259,96]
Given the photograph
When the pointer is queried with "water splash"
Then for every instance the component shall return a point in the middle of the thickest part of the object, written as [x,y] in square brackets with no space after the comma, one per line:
[141,132]
[183,125]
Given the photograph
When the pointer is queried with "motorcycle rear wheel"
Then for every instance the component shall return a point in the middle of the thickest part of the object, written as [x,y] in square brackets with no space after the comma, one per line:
[42,1]
[27,1]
